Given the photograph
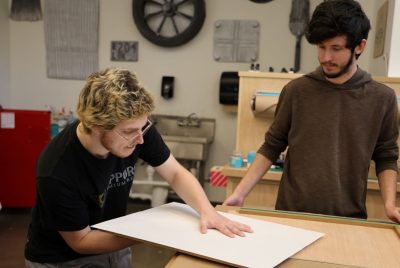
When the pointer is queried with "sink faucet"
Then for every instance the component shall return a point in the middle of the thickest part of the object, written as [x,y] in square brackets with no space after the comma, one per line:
[190,121]
[193,120]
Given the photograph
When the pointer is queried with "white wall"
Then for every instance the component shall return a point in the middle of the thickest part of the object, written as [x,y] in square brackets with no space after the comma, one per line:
[196,73]
[394,52]
[379,65]
[4,56]
[387,64]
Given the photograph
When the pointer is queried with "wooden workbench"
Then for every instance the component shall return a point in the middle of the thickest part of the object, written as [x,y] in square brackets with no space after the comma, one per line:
[347,242]
[265,192]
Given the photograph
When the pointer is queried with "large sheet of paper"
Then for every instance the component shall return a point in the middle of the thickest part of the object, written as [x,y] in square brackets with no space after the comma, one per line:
[176,226]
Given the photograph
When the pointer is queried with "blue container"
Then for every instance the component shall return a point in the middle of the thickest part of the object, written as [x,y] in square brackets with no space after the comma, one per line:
[236,160]
[54,129]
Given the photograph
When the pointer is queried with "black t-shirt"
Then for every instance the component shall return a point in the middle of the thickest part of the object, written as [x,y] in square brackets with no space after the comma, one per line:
[76,189]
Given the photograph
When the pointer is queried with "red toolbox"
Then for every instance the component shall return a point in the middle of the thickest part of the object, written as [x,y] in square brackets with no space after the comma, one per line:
[23,135]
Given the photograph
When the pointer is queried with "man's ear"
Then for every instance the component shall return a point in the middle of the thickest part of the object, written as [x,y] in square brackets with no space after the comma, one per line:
[97,130]
[360,47]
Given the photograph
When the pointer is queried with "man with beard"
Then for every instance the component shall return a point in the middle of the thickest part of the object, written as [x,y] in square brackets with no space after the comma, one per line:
[85,173]
[333,122]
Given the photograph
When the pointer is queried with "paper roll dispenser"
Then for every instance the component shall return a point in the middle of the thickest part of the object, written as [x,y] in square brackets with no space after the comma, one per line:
[263,103]
[229,88]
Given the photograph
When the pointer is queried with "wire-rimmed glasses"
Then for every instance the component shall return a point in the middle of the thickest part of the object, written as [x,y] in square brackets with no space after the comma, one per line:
[134,135]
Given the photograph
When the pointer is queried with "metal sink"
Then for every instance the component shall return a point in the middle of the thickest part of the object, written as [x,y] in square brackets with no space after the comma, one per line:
[188,137]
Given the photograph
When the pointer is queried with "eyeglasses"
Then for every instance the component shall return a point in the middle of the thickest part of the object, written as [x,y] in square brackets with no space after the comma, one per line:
[135,134]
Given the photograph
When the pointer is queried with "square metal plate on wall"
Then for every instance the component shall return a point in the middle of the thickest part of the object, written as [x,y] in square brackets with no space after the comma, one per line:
[124,51]
[236,40]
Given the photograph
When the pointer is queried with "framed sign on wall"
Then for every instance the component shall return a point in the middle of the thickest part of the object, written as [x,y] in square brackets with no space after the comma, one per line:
[124,51]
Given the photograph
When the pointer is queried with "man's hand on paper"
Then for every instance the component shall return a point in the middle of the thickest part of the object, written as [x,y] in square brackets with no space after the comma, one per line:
[213,220]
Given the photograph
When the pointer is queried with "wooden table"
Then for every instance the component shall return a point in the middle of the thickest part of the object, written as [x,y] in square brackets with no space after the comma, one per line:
[347,242]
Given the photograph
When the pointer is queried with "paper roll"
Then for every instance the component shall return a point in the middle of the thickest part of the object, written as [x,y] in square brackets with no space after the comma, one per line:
[263,104]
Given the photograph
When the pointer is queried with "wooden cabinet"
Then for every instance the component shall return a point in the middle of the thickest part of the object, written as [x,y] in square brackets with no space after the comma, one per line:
[265,192]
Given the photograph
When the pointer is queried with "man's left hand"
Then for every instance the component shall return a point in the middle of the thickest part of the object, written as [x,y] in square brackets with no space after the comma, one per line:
[393,213]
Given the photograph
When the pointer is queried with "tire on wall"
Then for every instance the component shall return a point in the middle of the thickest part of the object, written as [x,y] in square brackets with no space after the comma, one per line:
[260,1]
[153,17]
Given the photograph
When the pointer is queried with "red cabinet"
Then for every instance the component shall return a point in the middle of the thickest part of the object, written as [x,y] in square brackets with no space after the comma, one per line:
[23,135]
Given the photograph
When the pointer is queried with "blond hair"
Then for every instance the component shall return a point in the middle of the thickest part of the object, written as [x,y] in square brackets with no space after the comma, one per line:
[111,96]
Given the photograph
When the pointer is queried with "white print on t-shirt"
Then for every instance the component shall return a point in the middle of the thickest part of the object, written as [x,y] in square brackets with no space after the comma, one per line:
[119,179]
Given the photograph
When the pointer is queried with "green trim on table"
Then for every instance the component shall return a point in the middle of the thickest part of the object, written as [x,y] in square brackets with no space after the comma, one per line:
[319,217]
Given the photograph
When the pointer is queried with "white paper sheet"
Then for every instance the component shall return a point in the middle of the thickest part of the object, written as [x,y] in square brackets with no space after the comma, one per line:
[176,226]
[7,120]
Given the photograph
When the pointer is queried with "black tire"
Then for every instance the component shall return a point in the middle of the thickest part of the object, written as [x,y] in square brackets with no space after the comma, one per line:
[260,1]
[170,12]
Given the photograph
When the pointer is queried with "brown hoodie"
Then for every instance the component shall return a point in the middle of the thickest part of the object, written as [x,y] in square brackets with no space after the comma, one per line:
[333,131]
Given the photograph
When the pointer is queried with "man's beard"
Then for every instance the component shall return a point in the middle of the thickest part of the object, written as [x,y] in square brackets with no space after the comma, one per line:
[116,149]
[344,70]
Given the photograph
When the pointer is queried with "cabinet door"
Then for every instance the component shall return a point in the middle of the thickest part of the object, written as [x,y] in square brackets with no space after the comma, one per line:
[23,135]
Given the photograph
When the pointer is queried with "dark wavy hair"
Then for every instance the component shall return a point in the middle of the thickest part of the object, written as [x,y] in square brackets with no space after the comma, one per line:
[334,18]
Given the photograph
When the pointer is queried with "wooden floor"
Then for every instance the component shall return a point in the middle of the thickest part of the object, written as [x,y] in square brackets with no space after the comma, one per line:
[13,229]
